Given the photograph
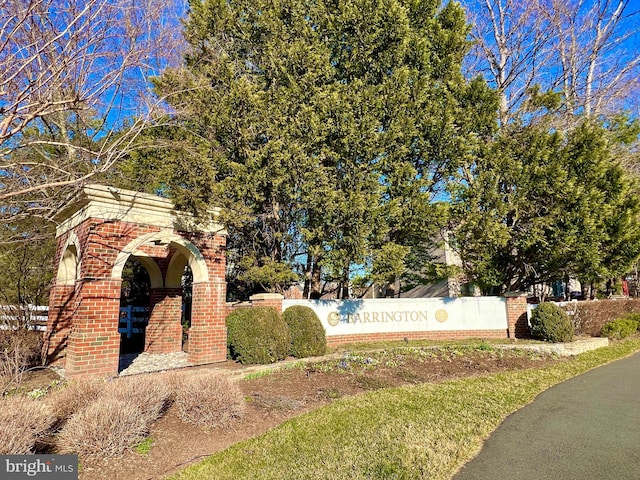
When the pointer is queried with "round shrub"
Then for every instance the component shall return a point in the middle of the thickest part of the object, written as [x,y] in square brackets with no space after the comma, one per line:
[257,335]
[150,393]
[550,323]
[70,397]
[208,399]
[307,333]
[106,428]
[634,317]
[619,328]
[22,423]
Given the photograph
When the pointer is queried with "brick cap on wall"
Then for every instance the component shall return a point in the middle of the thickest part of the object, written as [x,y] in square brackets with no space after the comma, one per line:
[515,294]
[266,296]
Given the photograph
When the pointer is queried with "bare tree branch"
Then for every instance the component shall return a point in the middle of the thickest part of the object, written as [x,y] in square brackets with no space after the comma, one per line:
[586,50]
[75,91]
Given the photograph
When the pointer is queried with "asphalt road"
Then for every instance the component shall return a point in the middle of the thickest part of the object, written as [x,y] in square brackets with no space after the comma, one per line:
[585,428]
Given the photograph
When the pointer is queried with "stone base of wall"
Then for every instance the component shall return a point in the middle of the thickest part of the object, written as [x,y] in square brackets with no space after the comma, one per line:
[335,340]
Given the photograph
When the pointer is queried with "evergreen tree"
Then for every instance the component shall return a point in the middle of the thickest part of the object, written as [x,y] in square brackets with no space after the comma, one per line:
[545,205]
[324,129]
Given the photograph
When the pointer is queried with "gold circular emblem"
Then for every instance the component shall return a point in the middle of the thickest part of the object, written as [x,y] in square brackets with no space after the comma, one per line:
[333,319]
[442,315]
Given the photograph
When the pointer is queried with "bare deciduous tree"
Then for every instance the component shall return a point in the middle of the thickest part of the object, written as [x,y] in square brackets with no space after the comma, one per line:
[511,43]
[74,91]
[587,50]
[598,61]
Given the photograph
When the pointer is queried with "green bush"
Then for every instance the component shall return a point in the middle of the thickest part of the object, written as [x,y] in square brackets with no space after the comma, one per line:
[307,333]
[620,328]
[634,317]
[257,335]
[550,323]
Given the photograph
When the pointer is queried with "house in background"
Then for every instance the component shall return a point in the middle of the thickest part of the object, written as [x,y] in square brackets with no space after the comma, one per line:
[454,285]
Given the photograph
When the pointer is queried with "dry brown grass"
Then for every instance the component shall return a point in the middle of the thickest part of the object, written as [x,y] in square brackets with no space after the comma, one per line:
[22,423]
[150,394]
[19,350]
[105,419]
[208,399]
[73,396]
[106,428]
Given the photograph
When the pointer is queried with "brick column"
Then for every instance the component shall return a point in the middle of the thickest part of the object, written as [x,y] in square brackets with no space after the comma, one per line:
[61,310]
[164,331]
[267,300]
[517,315]
[94,343]
[208,332]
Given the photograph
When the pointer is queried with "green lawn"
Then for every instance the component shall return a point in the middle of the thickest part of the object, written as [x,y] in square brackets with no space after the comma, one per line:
[426,431]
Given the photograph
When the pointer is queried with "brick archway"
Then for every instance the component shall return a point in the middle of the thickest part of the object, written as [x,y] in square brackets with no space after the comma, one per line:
[96,236]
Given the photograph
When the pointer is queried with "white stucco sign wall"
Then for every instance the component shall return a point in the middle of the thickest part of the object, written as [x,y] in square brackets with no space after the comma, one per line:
[348,317]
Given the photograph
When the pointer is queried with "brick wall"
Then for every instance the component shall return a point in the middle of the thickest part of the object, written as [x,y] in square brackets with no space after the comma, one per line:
[62,307]
[517,315]
[335,340]
[94,344]
[164,330]
[208,332]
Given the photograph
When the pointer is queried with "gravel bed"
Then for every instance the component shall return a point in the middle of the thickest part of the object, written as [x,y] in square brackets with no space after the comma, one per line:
[134,363]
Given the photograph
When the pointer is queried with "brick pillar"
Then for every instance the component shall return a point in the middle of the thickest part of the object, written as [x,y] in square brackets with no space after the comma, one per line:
[94,343]
[208,332]
[164,331]
[267,300]
[517,315]
[61,311]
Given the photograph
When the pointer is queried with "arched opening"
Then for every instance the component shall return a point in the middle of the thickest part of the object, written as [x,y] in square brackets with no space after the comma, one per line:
[180,275]
[187,297]
[188,254]
[134,306]
[68,269]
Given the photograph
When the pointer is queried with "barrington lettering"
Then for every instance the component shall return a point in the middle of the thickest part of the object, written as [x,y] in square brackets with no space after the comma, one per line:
[384,317]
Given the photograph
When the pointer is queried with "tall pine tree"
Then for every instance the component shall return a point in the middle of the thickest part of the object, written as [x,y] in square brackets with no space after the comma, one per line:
[325,129]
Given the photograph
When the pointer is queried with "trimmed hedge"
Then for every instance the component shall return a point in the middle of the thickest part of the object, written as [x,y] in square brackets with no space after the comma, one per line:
[257,335]
[308,338]
[590,316]
[551,323]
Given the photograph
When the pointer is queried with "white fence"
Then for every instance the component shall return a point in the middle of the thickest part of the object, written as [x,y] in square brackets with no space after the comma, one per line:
[374,316]
[33,316]
[132,320]
[570,307]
